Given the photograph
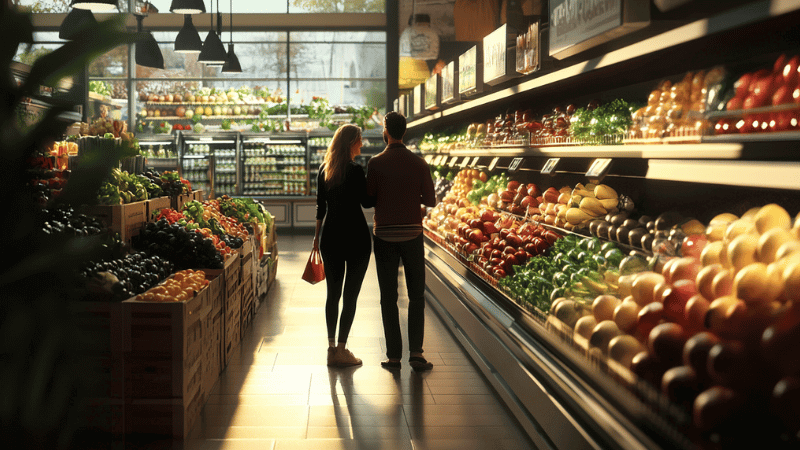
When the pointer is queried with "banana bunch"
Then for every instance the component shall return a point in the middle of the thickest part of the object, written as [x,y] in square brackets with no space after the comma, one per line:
[108,194]
[589,202]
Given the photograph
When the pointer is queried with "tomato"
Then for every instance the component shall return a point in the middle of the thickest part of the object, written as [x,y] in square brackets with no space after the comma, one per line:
[782,95]
[790,72]
[782,121]
[777,67]
[734,104]
[742,85]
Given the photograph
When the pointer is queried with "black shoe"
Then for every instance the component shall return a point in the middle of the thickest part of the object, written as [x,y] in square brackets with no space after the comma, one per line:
[389,364]
[419,364]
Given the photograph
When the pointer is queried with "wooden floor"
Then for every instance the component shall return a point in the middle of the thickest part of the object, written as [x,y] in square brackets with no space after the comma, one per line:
[278,394]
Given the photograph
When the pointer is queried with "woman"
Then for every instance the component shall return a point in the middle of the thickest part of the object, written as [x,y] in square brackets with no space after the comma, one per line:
[345,239]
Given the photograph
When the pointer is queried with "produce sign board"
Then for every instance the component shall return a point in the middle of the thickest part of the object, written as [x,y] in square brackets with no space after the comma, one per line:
[449,79]
[433,92]
[499,61]
[577,25]
[418,100]
[470,71]
[127,219]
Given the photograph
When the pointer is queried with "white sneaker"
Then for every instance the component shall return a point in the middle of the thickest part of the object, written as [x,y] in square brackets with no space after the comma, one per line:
[345,358]
[332,356]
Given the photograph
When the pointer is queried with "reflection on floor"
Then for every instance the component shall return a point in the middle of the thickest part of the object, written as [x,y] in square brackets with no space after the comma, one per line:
[277,393]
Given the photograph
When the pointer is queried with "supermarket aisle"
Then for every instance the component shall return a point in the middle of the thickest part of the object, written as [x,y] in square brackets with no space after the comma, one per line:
[277,393]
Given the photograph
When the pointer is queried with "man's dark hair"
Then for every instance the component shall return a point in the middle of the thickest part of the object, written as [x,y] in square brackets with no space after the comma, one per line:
[395,124]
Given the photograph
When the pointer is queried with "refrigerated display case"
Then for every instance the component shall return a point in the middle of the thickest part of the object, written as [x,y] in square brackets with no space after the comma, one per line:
[208,161]
[571,396]
[274,166]
[161,152]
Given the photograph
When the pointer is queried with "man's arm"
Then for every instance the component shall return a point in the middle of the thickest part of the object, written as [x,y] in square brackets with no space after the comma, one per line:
[428,193]
[371,188]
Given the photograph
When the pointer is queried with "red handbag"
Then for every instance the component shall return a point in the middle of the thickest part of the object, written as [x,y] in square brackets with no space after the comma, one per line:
[315,271]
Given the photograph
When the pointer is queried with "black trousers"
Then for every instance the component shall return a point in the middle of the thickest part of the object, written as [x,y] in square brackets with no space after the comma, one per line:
[345,255]
[387,260]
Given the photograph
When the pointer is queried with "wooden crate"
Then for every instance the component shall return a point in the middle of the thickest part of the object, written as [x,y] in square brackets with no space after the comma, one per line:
[248,308]
[166,417]
[156,204]
[211,353]
[232,281]
[100,337]
[163,347]
[127,220]
[198,195]
[178,201]
[233,314]
[273,271]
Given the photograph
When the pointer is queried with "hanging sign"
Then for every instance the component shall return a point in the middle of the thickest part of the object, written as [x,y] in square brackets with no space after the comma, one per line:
[449,79]
[470,71]
[577,25]
[432,92]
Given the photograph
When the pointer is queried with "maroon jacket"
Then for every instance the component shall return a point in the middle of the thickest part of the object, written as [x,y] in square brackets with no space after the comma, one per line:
[399,182]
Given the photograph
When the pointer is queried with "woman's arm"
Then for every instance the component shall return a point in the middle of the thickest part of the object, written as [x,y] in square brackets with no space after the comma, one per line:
[315,245]
[321,204]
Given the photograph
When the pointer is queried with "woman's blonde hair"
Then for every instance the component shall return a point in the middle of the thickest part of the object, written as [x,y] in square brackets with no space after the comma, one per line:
[340,153]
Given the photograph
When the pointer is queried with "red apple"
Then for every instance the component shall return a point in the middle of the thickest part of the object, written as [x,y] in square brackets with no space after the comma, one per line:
[693,245]
[470,247]
[782,95]
[507,196]
[514,240]
[513,185]
[649,316]
[541,245]
[511,259]
[551,195]
[533,190]
[742,85]
[476,236]
[495,261]
[509,250]
[734,104]
[531,248]
[499,272]
[522,256]
[487,216]
[475,224]
[527,201]
[675,300]
[489,228]
[496,254]
[791,71]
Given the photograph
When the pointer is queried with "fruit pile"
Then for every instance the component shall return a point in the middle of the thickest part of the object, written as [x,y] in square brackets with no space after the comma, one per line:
[170,183]
[64,221]
[134,274]
[184,248]
[777,88]
[180,287]
[716,333]
[123,187]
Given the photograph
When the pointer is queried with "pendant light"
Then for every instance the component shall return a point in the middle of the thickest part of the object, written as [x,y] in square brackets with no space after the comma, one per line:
[213,52]
[147,52]
[188,6]
[76,20]
[188,40]
[94,5]
[232,62]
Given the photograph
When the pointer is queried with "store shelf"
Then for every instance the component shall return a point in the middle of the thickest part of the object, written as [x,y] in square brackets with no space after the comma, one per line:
[756,174]
[723,22]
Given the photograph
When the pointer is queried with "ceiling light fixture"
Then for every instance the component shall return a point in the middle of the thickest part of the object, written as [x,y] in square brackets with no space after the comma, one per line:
[188,40]
[213,52]
[188,6]
[232,62]
[147,52]
[76,20]
[94,5]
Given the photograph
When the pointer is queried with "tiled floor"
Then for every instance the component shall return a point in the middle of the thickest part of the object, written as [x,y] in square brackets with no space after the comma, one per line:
[277,393]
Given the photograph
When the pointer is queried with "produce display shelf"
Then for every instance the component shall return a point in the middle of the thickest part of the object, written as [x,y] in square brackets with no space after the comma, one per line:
[604,411]
[724,22]
[202,104]
[205,117]
[724,150]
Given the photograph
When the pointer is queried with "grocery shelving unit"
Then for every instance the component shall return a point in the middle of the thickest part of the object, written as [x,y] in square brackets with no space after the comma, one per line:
[563,398]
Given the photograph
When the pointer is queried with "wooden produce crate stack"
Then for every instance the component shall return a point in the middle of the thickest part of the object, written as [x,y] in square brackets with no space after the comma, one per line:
[212,338]
[247,288]
[102,397]
[163,365]
[232,308]
[127,219]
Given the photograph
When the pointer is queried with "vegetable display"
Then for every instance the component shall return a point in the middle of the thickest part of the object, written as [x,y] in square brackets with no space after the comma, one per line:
[184,248]
[128,276]
[180,287]
[64,220]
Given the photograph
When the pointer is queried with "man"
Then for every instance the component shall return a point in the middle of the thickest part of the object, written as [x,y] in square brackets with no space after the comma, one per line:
[399,182]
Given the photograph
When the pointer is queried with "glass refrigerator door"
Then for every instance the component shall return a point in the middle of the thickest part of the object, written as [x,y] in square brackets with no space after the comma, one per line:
[197,164]
[274,167]
[160,154]
[317,146]
[225,180]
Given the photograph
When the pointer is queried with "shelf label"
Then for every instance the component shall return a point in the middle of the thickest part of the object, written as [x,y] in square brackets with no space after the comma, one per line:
[418,97]
[448,77]
[467,70]
[428,158]
[599,169]
[431,92]
[514,166]
[452,162]
[474,161]
[465,162]
[493,164]
[440,160]
[494,54]
[550,166]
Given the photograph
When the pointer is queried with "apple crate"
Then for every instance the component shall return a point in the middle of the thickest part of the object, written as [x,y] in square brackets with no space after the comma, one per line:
[156,204]
[211,353]
[173,417]
[163,347]
[233,315]
[100,336]
[127,220]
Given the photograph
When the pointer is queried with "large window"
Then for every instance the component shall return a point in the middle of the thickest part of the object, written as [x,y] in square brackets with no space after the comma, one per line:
[239,6]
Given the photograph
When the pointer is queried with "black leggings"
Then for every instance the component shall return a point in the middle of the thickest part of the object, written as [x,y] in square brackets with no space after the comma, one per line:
[346,259]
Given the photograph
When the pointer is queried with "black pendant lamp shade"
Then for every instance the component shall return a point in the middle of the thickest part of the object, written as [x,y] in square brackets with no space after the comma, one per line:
[94,5]
[232,63]
[188,40]
[76,20]
[147,52]
[188,6]
[213,52]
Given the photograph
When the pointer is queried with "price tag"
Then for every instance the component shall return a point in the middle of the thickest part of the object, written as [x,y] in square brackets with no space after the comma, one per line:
[465,162]
[428,158]
[550,166]
[493,164]
[474,161]
[438,160]
[514,166]
[599,169]
[452,162]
